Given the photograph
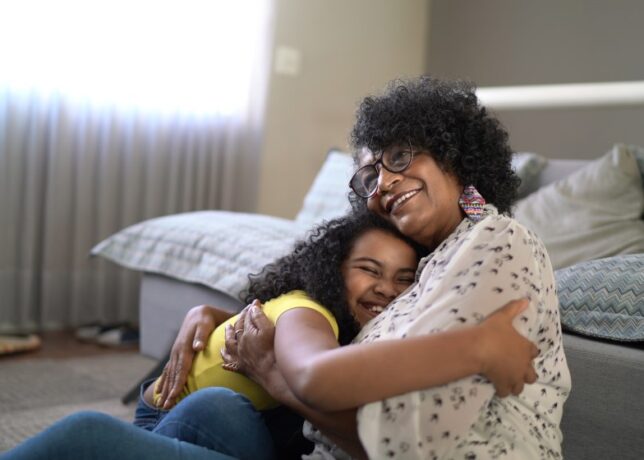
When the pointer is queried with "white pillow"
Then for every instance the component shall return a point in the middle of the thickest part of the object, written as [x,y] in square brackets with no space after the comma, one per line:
[328,197]
[595,212]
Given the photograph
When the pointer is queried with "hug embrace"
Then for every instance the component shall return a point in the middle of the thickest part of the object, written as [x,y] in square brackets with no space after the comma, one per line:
[424,324]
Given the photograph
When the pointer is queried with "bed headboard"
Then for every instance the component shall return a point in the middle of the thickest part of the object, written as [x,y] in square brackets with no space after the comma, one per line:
[575,121]
[605,94]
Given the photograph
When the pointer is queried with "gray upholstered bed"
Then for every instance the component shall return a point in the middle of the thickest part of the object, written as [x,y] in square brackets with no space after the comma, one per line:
[604,416]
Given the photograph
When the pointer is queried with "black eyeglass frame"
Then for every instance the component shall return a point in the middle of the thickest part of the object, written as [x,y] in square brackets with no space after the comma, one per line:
[380,160]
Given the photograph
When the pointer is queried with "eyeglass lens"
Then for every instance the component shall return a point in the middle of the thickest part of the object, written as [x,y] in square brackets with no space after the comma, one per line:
[365,181]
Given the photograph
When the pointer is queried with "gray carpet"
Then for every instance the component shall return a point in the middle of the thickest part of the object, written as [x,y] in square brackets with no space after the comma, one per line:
[36,393]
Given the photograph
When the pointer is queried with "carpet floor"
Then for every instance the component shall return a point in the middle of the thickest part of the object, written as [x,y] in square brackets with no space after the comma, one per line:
[36,393]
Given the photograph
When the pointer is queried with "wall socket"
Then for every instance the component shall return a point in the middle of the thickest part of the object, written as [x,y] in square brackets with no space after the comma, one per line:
[288,61]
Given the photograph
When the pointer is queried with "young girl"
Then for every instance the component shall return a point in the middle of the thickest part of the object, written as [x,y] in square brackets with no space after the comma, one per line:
[347,271]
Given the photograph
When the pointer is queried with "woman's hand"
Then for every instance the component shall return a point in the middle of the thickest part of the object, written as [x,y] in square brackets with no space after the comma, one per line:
[506,355]
[249,347]
[192,337]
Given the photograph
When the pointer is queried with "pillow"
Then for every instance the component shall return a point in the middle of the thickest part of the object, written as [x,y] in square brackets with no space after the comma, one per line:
[218,249]
[604,298]
[639,156]
[328,197]
[528,166]
[593,213]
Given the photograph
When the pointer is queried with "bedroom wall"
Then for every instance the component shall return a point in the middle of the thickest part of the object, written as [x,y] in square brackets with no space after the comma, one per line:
[348,49]
[509,42]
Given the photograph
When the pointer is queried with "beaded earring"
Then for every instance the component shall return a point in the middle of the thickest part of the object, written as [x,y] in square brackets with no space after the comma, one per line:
[471,202]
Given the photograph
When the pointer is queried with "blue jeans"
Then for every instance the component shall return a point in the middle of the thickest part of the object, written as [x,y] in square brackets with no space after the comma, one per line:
[190,421]
[211,424]
[198,419]
[92,435]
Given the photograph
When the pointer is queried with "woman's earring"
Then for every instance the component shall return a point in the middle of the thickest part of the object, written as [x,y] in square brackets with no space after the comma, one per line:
[471,202]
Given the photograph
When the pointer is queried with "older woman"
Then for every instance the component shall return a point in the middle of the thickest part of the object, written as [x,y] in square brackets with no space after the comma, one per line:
[435,163]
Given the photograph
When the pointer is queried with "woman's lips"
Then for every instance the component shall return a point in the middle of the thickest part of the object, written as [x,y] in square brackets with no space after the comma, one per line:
[398,200]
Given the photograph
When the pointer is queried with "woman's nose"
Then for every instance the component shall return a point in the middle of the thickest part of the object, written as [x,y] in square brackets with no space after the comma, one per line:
[387,179]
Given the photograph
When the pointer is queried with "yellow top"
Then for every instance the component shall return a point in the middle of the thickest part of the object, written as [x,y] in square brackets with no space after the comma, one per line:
[206,368]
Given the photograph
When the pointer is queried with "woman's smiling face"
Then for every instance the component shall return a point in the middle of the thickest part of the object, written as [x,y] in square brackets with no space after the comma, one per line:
[379,267]
[421,201]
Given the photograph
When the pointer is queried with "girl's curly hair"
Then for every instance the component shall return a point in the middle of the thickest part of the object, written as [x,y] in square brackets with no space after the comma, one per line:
[446,119]
[314,266]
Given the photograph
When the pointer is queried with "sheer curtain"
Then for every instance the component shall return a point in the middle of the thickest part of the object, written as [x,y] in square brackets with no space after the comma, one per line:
[99,131]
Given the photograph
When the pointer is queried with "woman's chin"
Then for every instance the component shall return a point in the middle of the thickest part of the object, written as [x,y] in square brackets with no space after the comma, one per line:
[407,225]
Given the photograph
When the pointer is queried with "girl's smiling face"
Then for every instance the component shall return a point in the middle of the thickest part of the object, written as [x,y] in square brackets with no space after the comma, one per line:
[379,267]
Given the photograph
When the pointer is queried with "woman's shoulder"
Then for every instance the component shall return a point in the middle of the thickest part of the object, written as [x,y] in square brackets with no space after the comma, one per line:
[501,226]
[499,233]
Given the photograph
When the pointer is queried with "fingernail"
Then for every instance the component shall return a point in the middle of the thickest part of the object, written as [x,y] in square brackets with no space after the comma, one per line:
[197,343]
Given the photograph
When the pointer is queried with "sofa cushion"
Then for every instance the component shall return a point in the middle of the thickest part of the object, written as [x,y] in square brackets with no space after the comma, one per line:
[593,213]
[604,298]
[328,196]
[528,167]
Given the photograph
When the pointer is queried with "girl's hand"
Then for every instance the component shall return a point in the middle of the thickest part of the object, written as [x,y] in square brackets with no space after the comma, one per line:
[506,355]
[192,337]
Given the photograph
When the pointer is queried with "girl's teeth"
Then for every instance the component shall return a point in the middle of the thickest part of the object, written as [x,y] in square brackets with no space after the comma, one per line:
[375,309]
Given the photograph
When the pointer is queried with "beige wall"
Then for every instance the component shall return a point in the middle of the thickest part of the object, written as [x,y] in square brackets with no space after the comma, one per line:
[349,48]
[519,42]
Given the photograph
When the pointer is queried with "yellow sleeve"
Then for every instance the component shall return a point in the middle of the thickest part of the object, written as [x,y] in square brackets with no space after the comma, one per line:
[297,299]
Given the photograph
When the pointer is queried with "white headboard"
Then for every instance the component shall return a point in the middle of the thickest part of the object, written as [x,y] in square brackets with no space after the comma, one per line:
[604,94]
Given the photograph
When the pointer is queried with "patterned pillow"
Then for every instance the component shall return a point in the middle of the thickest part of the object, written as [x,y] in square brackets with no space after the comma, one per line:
[528,167]
[604,298]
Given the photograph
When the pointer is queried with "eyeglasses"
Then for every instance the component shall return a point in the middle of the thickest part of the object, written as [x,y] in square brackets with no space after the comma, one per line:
[365,181]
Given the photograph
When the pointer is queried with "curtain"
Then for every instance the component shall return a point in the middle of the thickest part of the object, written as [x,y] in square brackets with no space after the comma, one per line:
[73,171]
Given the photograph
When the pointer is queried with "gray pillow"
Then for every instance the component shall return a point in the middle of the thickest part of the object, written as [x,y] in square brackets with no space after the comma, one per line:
[604,298]
[528,167]
[328,196]
[593,213]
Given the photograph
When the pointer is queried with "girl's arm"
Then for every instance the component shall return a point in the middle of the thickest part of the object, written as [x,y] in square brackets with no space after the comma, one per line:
[192,337]
[329,378]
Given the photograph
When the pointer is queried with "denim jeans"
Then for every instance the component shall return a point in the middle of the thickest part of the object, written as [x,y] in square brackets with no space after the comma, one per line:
[188,422]
[211,424]
[96,436]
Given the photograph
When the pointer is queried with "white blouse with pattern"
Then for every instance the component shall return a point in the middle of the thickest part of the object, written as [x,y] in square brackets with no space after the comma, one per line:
[476,270]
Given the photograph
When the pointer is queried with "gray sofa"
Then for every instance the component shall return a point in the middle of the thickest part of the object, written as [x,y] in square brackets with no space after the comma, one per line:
[603,418]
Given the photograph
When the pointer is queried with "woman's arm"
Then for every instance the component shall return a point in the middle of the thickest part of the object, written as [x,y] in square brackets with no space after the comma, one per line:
[329,378]
[192,337]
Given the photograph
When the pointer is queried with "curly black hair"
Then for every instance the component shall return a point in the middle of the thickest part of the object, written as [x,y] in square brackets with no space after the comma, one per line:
[446,119]
[314,266]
